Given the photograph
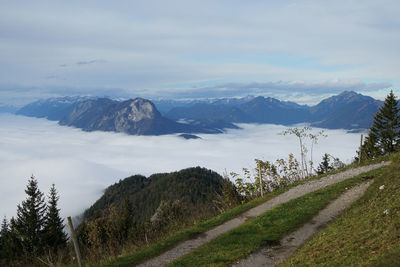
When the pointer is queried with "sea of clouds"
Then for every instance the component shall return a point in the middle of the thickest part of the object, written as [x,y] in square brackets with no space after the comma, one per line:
[82,164]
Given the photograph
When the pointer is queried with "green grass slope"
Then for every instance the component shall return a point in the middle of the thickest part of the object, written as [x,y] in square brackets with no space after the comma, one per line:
[368,234]
[267,228]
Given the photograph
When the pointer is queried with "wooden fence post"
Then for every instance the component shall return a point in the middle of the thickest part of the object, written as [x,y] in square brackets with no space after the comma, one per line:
[360,153]
[75,241]
[259,176]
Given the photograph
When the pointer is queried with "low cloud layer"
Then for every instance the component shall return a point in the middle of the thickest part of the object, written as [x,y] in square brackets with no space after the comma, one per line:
[83,164]
[298,91]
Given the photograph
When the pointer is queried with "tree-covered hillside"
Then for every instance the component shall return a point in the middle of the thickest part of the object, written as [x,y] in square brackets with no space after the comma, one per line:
[195,188]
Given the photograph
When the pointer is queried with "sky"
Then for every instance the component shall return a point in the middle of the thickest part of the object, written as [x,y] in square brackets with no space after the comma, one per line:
[292,50]
[82,164]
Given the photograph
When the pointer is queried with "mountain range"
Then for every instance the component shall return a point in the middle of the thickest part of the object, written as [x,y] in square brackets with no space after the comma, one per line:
[7,109]
[134,116]
[348,110]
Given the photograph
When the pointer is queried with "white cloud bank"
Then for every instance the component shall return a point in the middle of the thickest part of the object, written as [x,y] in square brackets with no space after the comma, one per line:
[82,164]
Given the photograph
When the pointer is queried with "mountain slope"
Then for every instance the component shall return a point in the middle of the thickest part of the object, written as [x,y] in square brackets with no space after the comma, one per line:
[165,105]
[52,108]
[271,110]
[7,109]
[194,188]
[347,110]
[136,117]
[254,110]
[209,111]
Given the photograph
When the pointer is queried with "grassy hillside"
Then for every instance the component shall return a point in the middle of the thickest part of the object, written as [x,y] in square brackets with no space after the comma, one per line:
[368,234]
[266,229]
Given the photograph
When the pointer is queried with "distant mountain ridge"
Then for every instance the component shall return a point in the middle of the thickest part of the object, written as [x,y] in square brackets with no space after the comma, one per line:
[7,109]
[165,105]
[54,108]
[136,117]
[348,110]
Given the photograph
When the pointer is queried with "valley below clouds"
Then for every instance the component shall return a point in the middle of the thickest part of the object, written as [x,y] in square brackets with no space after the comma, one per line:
[82,164]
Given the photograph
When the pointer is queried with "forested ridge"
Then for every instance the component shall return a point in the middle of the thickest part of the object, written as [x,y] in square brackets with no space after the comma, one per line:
[195,188]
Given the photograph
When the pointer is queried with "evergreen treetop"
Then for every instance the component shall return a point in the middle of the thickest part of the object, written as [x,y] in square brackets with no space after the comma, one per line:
[30,219]
[3,239]
[54,234]
[4,227]
[325,166]
[384,135]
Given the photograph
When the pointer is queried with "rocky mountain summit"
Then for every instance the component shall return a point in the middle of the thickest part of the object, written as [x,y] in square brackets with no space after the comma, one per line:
[134,116]
[347,110]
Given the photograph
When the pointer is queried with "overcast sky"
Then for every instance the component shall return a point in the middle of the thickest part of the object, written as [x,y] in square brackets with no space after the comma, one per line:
[293,49]
[83,164]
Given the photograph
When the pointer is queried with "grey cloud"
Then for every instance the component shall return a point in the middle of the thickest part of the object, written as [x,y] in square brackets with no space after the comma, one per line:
[152,44]
[90,62]
[282,90]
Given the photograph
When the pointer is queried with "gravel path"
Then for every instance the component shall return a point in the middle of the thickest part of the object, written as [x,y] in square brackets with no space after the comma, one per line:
[300,190]
[272,256]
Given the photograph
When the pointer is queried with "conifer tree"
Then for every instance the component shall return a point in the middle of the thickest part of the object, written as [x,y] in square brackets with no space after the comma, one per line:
[54,235]
[126,219]
[14,248]
[9,245]
[4,227]
[384,135]
[325,165]
[30,219]
[3,239]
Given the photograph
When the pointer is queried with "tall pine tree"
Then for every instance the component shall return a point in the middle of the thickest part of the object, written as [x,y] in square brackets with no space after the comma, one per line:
[54,235]
[13,249]
[10,249]
[30,220]
[384,135]
[3,239]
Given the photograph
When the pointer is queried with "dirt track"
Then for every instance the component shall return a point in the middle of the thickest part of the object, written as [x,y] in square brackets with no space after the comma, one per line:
[300,190]
[271,256]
